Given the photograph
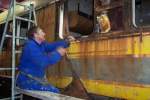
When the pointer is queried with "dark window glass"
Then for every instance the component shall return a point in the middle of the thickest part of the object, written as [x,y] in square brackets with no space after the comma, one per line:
[116,18]
[142,12]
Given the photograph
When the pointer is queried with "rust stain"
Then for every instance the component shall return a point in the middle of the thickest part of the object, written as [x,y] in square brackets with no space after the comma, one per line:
[107,60]
[83,60]
[5,62]
[96,71]
[123,84]
[76,89]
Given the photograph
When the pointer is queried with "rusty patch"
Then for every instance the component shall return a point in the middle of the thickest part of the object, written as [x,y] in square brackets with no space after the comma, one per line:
[76,89]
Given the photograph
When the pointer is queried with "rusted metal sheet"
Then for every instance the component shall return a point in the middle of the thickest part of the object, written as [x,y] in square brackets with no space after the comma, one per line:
[49,22]
[77,23]
[122,60]
[5,62]
[121,69]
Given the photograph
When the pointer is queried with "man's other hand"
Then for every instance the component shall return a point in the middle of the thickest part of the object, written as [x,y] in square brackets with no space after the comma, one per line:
[70,38]
[62,51]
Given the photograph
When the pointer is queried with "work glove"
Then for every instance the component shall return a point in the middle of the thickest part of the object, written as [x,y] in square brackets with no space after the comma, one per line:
[69,39]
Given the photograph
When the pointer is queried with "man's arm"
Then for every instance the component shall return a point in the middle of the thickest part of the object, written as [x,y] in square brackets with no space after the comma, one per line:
[43,60]
[49,47]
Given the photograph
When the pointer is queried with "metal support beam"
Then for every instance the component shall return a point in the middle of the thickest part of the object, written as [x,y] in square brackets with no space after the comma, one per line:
[13,53]
[61,21]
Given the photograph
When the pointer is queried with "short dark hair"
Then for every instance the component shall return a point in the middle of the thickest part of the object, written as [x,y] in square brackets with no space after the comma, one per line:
[32,31]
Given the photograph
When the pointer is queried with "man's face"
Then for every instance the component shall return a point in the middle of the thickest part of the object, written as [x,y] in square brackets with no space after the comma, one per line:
[40,35]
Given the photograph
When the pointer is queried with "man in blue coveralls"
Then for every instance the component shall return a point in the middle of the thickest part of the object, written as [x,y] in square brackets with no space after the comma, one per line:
[37,55]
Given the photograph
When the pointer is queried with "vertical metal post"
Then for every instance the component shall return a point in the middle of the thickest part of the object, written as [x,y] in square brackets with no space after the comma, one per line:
[34,14]
[18,32]
[30,15]
[21,98]
[13,53]
[61,20]
[133,13]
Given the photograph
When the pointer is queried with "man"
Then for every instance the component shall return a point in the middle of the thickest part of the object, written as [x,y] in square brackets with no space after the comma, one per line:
[37,55]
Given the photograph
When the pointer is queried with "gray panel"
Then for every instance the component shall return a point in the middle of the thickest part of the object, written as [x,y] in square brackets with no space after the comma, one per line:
[120,69]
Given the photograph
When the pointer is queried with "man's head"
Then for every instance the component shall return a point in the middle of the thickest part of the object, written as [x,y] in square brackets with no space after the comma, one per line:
[36,33]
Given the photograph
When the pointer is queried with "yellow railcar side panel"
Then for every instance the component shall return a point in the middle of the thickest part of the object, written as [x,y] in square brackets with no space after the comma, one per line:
[139,47]
[112,47]
[129,46]
[112,89]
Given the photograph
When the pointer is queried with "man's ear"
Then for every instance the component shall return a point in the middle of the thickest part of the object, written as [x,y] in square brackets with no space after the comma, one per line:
[35,35]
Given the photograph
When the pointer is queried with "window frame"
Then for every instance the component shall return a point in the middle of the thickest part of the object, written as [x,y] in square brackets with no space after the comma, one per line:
[118,31]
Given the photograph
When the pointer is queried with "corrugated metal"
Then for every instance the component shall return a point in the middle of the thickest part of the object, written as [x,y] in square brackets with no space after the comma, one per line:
[46,19]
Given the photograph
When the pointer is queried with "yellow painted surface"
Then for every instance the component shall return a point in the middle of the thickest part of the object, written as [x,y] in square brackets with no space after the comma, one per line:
[19,9]
[60,81]
[111,47]
[3,15]
[137,47]
[129,46]
[112,89]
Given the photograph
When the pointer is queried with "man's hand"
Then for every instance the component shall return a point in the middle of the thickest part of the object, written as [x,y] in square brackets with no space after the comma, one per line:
[62,51]
[70,38]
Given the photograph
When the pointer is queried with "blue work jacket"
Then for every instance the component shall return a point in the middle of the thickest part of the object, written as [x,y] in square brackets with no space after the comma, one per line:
[36,58]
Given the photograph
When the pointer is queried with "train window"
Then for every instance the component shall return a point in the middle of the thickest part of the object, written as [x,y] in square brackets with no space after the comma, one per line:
[111,13]
[141,12]
[80,13]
